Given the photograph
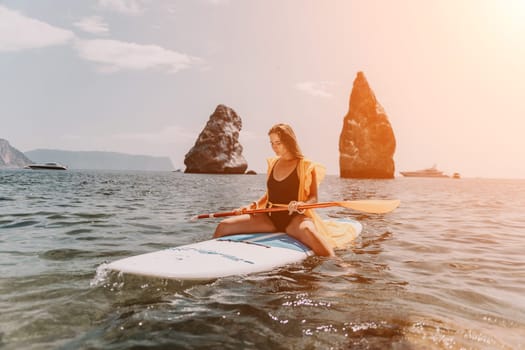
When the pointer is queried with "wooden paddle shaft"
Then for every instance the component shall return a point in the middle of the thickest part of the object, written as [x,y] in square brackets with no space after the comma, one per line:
[367,206]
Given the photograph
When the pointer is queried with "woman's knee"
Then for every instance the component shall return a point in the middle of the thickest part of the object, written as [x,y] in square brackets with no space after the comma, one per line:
[307,225]
[298,233]
[307,234]
[233,225]
[221,229]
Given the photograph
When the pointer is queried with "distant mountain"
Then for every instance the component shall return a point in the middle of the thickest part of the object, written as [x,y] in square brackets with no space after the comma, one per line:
[10,157]
[97,160]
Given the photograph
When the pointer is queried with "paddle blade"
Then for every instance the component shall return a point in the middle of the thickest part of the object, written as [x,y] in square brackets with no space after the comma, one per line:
[375,206]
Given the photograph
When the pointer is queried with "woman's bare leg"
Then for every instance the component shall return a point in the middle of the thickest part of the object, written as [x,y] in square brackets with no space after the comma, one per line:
[245,223]
[303,229]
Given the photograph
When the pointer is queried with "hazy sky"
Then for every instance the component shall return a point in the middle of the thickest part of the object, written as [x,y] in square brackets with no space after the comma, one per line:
[143,76]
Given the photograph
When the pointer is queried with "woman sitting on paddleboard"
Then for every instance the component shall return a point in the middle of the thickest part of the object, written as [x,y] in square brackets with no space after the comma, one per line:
[291,180]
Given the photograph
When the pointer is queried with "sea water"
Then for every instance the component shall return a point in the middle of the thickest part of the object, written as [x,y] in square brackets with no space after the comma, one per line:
[446,270]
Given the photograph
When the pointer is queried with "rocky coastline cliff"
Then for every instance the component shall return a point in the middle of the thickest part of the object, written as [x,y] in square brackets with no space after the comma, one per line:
[10,157]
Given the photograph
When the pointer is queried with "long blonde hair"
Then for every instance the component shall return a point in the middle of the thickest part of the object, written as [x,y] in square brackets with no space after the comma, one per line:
[288,138]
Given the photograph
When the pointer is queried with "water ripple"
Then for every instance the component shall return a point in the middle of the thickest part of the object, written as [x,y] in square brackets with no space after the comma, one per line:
[20,224]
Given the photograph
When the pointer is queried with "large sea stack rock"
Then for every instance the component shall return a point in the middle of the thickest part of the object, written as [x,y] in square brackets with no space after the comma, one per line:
[367,142]
[10,157]
[217,149]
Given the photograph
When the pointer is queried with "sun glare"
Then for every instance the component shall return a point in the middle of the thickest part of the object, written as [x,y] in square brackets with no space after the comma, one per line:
[510,14]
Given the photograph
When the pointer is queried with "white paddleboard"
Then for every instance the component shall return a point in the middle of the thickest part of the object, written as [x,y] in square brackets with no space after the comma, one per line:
[226,256]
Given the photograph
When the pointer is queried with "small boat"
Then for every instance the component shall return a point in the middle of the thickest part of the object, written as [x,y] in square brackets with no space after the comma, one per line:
[456,176]
[46,166]
[429,172]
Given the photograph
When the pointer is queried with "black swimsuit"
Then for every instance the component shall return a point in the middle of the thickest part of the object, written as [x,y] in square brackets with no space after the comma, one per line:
[282,192]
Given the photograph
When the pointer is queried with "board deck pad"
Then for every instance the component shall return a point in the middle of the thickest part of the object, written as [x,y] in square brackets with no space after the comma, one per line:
[226,256]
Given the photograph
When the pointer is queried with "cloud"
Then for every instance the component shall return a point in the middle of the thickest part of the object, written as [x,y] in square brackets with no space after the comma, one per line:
[113,56]
[127,7]
[18,32]
[93,25]
[315,88]
[169,135]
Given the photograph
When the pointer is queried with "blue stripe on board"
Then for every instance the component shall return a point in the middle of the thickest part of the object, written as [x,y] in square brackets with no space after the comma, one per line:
[240,237]
[273,240]
[284,241]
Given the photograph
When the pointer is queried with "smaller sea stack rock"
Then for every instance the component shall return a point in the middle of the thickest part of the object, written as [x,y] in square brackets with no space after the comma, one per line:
[217,149]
